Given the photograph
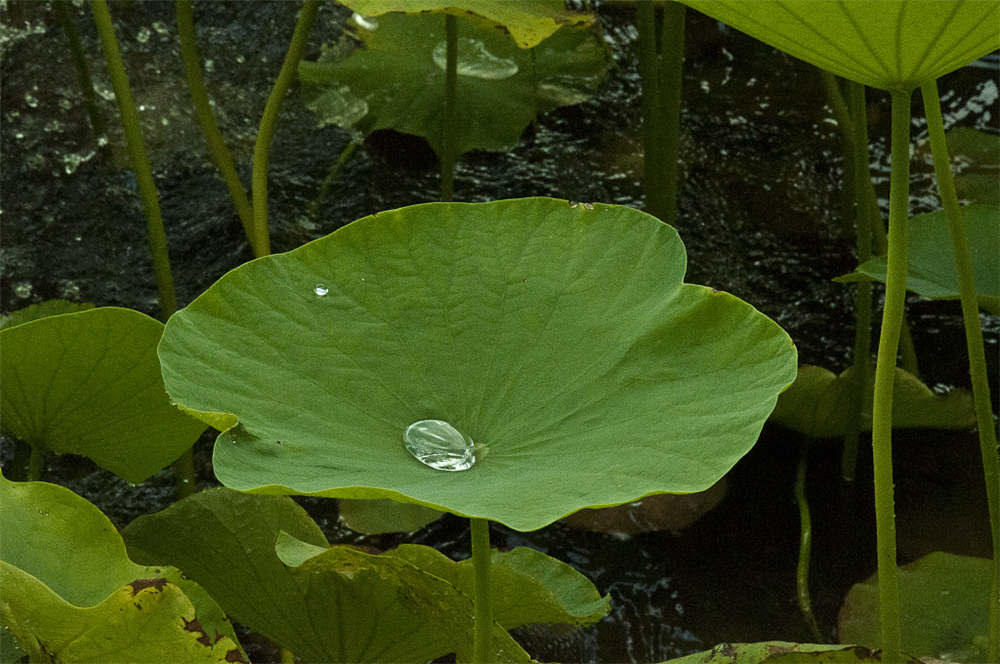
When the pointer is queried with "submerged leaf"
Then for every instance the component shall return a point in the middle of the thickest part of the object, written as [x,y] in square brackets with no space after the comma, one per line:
[89,383]
[559,337]
[930,255]
[888,44]
[944,603]
[397,80]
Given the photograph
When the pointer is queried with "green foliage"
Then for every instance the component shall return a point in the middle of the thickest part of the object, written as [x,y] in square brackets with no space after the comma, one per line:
[396,81]
[89,383]
[65,587]
[889,44]
[384,516]
[932,272]
[527,21]
[513,320]
[783,652]
[41,310]
[817,404]
[945,599]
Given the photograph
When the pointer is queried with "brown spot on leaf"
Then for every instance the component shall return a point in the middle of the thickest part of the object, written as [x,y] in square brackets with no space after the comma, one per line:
[141,584]
[235,655]
[195,626]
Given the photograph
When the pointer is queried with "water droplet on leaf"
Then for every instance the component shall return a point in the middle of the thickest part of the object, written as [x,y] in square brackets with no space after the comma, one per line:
[441,446]
[321,290]
[474,60]
[365,23]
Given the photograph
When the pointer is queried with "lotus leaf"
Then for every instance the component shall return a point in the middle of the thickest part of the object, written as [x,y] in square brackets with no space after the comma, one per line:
[384,516]
[817,404]
[41,310]
[558,336]
[945,602]
[89,383]
[65,572]
[397,80]
[932,272]
[784,652]
[889,44]
[528,21]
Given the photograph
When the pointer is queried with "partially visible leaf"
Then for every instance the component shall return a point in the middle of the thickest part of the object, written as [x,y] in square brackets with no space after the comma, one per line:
[61,551]
[944,600]
[784,652]
[385,516]
[89,383]
[41,310]
[888,44]
[976,161]
[817,404]
[932,271]
[528,21]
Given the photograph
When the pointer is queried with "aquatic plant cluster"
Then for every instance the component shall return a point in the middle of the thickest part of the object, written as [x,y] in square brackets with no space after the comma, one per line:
[515,362]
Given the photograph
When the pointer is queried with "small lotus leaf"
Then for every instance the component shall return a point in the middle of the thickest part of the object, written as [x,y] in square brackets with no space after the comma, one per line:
[65,562]
[944,601]
[559,337]
[384,516]
[818,402]
[932,272]
[784,652]
[397,81]
[226,540]
[888,44]
[528,21]
[89,383]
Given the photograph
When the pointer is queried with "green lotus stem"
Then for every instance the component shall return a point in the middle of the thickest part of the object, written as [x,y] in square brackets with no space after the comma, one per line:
[82,72]
[324,187]
[261,240]
[36,462]
[449,140]
[805,545]
[845,125]
[140,161]
[670,87]
[206,119]
[974,342]
[888,347]
[483,625]
[645,20]
[864,193]
[187,479]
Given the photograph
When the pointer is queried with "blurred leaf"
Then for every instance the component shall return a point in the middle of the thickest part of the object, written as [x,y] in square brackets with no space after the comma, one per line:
[41,310]
[373,517]
[784,652]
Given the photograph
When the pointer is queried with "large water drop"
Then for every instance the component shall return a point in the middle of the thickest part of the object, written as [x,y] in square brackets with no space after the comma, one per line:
[437,444]
[474,60]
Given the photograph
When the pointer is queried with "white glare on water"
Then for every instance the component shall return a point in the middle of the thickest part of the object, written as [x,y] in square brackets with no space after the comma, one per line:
[437,444]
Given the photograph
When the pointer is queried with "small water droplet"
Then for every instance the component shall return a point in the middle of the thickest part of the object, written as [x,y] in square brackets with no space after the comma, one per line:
[160,27]
[31,100]
[475,60]
[143,35]
[441,446]
[240,59]
[320,290]
[365,23]
[585,206]
[23,290]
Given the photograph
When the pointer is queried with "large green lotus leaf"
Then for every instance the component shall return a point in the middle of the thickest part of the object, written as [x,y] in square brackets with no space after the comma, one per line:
[397,80]
[226,541]
[818,403]
[149,620]
[888,44]
[528,586]
[784,652]
[528,21]
[559,336]
[89,383]
[945,608]
[931,261]
[41,310]
[61,553]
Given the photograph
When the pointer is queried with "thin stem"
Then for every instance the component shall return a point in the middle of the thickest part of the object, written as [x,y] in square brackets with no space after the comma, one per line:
[671,85]
[140,161]
[888,347]
[805,545]
[97,122]
[327,184]
[449,138]
[186,481]
[482,637]
[974,342]
[846,121]
[36,462]
[653,156]
[206,119]
[262,241]
[858,123]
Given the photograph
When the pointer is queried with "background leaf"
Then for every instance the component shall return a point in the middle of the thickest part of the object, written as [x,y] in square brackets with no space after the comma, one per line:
[784,652]
[559,336]
[41,310]
[384,516]
[889,44]
[89,383]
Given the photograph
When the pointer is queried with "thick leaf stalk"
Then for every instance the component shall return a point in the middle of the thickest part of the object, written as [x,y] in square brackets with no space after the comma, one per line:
[268,121]
[97,122]
[206,119]
[805,544]
[482,646]
[885,369]
[974,343]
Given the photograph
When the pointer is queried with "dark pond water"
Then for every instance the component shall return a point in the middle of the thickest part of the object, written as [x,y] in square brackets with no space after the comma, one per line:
[758,213]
